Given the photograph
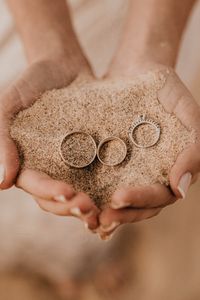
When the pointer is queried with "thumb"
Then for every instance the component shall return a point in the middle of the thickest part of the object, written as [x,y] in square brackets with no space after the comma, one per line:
[185,170]
[9,159]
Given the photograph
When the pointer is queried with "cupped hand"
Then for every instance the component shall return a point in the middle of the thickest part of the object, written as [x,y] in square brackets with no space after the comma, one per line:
[53,196]
[134,204]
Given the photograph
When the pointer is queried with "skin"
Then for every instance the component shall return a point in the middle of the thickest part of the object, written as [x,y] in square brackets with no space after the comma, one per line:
[153,45]
[55,60]
[146,45]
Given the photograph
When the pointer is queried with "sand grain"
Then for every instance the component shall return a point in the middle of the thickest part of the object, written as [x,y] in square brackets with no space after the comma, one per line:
[101,108]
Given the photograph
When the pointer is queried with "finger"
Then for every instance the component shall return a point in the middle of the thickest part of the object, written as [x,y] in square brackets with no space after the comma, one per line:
[80,206]
[19,96]
[176,99]
[10,104]
[184,171]
[152,196]
[9,160]
[111,219]
[53,197]
[43,186]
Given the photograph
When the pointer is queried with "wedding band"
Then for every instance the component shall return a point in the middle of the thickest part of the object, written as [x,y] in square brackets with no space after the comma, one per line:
[75,153]
[142,120]
[107,140]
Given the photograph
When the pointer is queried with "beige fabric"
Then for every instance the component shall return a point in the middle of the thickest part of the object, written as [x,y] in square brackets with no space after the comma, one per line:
[167,255]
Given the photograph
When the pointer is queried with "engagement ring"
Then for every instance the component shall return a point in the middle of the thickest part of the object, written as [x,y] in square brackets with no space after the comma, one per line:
[144,121]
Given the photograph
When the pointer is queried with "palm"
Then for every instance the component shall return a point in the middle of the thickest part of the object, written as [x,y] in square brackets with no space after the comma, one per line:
[150,200]
[176,99]
[51,195]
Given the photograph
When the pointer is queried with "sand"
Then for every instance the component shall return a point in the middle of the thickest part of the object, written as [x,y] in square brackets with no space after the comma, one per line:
[78,149]
[101,108]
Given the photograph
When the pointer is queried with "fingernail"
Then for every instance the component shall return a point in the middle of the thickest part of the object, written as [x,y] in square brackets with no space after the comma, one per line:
[184,184]
[60,198]
[75,211]
[2,173]
[111,227]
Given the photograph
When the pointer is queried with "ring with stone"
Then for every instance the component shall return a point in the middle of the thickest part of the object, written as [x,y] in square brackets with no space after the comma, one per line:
[78,149]
[117,156]
[142,120]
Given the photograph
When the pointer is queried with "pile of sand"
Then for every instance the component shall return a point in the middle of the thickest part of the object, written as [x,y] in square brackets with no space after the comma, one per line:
[101,108]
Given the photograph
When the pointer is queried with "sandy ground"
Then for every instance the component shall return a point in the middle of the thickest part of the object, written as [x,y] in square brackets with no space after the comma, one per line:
[165,261]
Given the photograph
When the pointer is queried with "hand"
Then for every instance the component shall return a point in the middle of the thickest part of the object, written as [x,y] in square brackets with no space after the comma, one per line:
[53,196]
[138,203]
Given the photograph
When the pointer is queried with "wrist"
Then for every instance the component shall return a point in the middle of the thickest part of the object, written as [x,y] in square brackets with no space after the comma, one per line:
[59,69]
[152,35]
[55,46]
[70,59]
[47,32]
[131,64]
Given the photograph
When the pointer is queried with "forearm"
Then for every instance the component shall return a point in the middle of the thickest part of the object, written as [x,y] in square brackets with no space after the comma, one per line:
[153,32]
[46,30]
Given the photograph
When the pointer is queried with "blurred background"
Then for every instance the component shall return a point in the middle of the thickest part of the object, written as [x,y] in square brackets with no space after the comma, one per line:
[47,257]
